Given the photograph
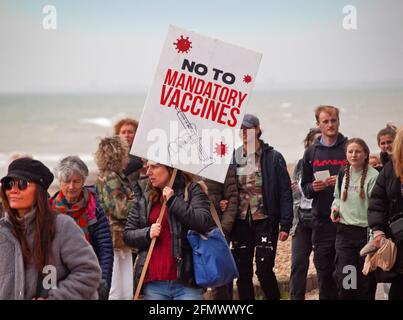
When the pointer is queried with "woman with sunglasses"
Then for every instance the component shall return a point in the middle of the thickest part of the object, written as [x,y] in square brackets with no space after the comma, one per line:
[170,274]
[44,255]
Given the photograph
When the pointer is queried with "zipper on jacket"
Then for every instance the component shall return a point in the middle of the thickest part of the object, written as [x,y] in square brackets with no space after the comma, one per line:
[178,267]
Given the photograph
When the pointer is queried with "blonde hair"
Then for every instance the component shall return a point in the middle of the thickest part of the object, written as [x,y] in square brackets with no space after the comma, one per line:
[397,154]
[112,155]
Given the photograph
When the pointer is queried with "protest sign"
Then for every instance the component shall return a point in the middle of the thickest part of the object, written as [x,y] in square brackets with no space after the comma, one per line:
[196,103]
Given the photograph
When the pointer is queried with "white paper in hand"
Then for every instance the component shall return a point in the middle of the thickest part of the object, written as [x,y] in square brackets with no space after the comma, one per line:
[322,175]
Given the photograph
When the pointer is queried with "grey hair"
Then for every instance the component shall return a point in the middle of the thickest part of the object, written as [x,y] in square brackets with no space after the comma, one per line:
[69,166]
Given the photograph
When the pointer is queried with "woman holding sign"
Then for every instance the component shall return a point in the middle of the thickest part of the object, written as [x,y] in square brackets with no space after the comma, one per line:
[170,274]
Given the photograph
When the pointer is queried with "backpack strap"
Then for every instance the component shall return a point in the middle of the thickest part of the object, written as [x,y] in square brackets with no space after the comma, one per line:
[311,153]
[213,211]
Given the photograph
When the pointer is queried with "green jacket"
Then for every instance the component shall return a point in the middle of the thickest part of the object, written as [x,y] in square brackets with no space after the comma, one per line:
[117,199]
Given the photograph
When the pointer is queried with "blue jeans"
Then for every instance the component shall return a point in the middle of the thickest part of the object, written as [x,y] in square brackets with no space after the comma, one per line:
[171,290]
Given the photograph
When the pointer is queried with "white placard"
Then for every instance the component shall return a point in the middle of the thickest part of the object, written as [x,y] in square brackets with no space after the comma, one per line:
[196,103]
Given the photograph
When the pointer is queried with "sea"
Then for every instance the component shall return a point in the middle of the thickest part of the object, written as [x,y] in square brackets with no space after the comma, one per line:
[51,126]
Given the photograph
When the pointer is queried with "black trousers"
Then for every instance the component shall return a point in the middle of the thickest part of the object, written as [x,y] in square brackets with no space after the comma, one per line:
[349,264]
[300,251]
[323,241]
[222,293]
[248,236]
[396,288]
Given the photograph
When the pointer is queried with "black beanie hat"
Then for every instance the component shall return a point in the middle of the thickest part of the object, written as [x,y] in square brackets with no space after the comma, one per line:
[31,170]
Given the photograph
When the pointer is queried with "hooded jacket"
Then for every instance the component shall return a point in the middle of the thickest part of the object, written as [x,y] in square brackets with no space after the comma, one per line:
[319,157]
[277,193]
[193,214]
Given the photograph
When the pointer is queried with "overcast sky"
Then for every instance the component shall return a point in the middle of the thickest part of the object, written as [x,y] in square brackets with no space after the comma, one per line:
[114,46]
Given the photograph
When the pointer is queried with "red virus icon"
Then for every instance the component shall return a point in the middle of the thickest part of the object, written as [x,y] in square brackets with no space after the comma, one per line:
[183,45]
[247,78]
[221,149]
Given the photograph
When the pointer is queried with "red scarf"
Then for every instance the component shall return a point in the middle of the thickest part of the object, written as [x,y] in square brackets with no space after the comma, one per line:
[83,211]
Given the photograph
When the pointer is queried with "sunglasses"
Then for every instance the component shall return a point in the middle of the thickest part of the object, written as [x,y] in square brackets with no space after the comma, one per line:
[19,183]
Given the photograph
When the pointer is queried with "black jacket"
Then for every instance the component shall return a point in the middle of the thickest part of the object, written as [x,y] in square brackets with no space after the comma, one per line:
[277,194]
[225,191]
[386,200]
[193,214]
[385,203]
[384,157]
[101,241]
[133,167]
[318,157]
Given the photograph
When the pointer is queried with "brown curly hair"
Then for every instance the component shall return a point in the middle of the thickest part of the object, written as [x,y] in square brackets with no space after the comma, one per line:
[123,122]
[112,155]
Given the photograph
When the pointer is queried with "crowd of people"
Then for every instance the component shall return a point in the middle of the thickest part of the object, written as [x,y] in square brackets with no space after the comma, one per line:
[91,241]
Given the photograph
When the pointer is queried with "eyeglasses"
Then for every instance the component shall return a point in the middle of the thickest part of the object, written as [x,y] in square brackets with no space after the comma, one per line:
[19,183]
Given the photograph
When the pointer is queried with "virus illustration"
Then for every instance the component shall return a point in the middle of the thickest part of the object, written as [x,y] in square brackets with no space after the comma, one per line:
[221,149]
[247,79]
[183,45]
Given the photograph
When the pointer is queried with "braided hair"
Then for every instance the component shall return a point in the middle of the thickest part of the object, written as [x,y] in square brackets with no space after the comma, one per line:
[347,181]
[363,177]
[365,148]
